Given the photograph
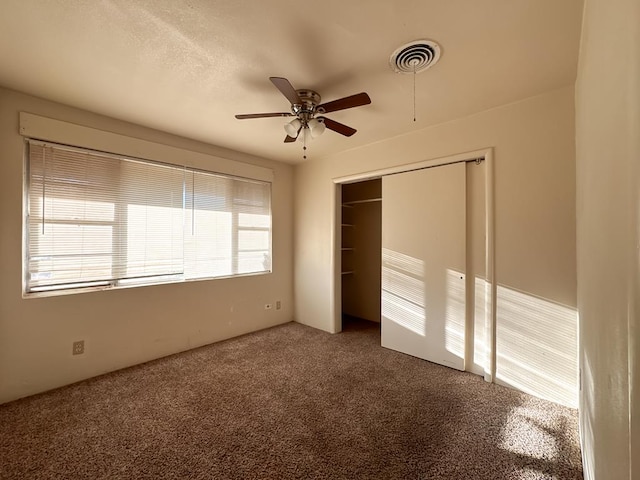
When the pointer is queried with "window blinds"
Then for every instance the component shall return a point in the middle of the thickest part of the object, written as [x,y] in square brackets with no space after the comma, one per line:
[221,214]
[100,219]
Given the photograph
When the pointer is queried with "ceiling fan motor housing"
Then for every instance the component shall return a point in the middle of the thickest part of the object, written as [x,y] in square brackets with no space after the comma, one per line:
[310,100]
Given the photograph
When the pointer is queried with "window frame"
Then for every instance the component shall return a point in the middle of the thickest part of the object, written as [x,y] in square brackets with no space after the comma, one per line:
[141,281]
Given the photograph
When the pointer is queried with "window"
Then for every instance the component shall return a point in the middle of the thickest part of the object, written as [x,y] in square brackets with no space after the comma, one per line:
[98,219]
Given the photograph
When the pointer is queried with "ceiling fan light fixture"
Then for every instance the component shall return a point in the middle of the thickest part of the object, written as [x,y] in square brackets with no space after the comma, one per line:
[292,127]
[305,134]
[305,105]
[316,127]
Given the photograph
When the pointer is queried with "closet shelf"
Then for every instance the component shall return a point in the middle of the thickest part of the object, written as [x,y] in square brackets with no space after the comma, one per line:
[348,273]
[347,225]
[355,202]
[347,249]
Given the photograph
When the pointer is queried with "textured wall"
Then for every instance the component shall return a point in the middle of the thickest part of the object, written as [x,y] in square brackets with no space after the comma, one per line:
[607,158]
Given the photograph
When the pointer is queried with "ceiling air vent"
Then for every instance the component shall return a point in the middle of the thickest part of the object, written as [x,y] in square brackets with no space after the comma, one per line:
[415,57]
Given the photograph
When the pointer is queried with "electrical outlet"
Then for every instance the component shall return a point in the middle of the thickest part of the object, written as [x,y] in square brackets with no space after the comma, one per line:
[278,304]
[267,306]
[78,347]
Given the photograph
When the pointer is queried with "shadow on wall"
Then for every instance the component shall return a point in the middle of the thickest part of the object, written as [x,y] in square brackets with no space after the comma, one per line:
[537,346]
[536,338]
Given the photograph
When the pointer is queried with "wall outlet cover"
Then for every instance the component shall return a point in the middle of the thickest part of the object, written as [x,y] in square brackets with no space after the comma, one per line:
[78,347]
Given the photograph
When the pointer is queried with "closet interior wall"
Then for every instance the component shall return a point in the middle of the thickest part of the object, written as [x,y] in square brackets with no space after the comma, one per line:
[361,249]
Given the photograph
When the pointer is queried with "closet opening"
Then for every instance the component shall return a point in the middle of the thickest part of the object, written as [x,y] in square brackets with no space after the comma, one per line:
[360,252]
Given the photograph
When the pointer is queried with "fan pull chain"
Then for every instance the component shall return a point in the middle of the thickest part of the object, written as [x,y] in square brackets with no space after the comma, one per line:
[414,91]
[304,144]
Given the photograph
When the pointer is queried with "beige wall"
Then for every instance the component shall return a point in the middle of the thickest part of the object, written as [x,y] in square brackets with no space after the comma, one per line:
[608,157]
[127,326]
[534,155]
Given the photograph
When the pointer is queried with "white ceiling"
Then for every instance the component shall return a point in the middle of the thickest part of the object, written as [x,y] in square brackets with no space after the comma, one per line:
[187,66]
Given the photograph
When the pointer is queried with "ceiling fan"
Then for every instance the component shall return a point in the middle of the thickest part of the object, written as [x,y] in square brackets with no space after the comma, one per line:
[309,112]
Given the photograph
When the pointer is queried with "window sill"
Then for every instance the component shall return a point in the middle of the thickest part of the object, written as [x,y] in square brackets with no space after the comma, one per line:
[74,291]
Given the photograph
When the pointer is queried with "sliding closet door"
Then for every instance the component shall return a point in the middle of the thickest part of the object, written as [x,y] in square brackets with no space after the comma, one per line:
[423,263]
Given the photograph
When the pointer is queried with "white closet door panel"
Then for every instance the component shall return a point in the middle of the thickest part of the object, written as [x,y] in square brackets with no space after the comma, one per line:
[423,263]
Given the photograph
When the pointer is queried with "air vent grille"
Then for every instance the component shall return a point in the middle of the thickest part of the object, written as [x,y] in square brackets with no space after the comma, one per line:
[415,57]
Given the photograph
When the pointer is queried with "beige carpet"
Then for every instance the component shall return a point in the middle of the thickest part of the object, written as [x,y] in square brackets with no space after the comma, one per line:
[288,402]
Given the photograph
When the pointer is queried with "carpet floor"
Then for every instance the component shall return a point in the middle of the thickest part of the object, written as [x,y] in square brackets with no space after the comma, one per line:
[290,402]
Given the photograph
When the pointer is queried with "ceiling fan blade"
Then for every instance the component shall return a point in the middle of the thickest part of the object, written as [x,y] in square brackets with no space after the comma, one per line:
[338,127]
[262,115]
[286,89]
[356,100]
